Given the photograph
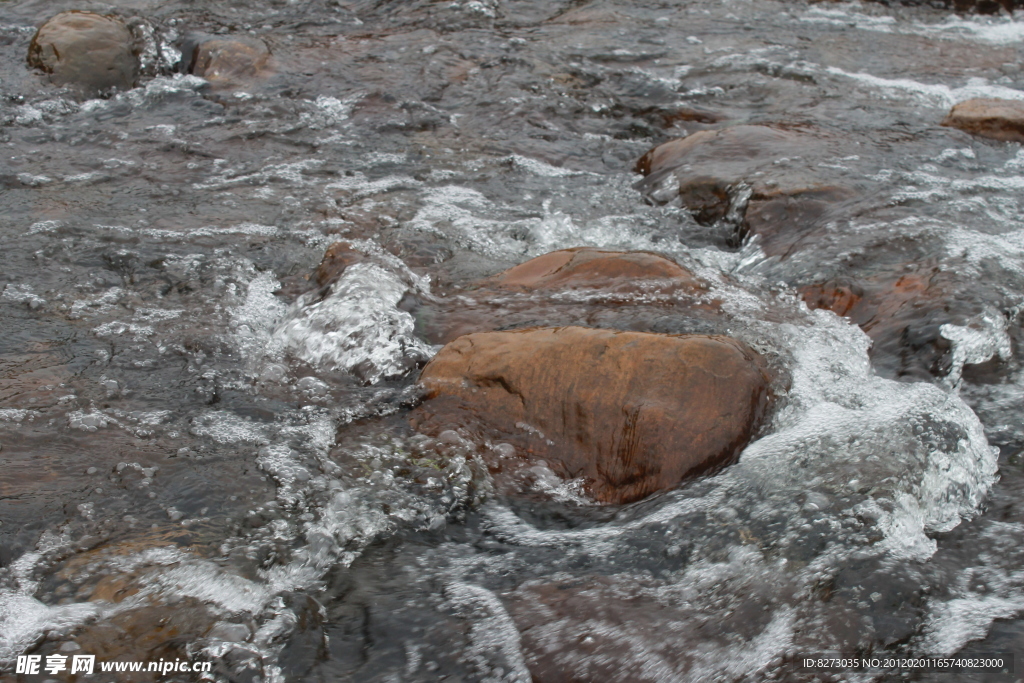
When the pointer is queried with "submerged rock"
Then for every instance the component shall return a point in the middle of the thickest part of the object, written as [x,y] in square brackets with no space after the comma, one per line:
[784,220]
[583,286]
[338,257]
[594,268]
[989,118]
[630,413]
[729,153]
[903,313]
[747,178]
[84,49]
[225,61]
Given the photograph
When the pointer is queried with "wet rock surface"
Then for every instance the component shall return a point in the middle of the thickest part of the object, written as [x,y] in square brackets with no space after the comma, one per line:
[756,179]
[337,258]
[166,360]
[90,51]
[989,118]
[629,413]
[225,61]
[639,291]
[595,268]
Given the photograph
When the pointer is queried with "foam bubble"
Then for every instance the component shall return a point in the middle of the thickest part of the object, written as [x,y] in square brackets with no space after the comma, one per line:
[358,327]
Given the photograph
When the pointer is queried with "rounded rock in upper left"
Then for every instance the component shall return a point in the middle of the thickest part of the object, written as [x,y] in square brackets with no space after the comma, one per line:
[91,51]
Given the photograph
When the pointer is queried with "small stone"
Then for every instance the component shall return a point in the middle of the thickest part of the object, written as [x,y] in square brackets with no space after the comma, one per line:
[225,60]
[989,118]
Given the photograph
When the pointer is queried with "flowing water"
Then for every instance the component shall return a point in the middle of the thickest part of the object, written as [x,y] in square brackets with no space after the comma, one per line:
[205,455]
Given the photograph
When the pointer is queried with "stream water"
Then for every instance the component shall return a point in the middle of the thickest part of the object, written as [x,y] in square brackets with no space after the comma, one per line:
[203,455]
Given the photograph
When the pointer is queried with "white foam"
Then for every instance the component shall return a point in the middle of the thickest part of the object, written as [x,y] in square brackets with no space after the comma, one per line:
[953,624]
[24,619]
[290,172]
[989,30]
[17,415]
[23,294]
[542,169]
[357,327]
[494,638]
[934,95]
[226,427]
[976,248]
[976,344]
[100,305]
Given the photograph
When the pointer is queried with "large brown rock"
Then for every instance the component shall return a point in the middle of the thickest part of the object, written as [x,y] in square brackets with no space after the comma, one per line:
[91,51]
[989,118]
[226,61]
[594,268]
[631,413]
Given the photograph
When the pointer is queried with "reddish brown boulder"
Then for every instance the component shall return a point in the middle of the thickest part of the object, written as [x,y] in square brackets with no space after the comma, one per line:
[631,413]
[226,61]
[589,267]
[989,118]
[84,49]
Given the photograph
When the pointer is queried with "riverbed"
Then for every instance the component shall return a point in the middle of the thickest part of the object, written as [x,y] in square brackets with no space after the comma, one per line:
[206,455]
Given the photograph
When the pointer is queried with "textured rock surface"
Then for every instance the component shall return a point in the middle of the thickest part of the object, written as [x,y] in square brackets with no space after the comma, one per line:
[636,290]
[631,413]
[756,179]
[730,154]
[225,61]
[903,312]
[338,257]
[84,49]
[787,221]
[589,267]
[989,118]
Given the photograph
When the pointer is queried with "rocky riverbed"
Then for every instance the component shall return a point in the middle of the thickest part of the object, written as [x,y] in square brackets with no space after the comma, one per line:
[508,340]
